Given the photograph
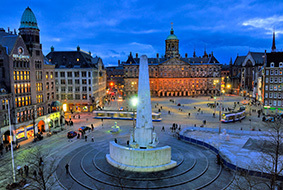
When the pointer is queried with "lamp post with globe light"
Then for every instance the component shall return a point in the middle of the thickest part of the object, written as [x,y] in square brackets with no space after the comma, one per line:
[134,102]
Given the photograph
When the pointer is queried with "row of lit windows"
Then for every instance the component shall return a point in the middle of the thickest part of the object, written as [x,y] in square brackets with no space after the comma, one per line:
[4,104]
[77,81]
[22,88]
[70,96]
[28,114]
[47,85]
[274,80]
[273,102]
[39,98]
[22,101]
[273,95]
[21,64]
[73,74]
[273,87]
[21,75]
[38,75]
[274,72]
[24,116]
[47,75]
[39,87]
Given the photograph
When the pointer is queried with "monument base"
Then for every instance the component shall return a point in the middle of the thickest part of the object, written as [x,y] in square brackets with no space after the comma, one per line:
[140,160]
[170,165]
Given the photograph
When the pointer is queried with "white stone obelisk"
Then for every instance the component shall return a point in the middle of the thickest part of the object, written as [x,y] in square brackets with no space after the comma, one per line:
[144,136]
[143,156]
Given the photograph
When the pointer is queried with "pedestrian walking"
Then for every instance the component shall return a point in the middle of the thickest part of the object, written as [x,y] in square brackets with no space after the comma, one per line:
[218,159]
[40,161]
[163,129]
[67,168]
[85,138]
[92,139]
[91,127]
[26,170]
[79,117]
[7,149]
[78,136]
[34,174]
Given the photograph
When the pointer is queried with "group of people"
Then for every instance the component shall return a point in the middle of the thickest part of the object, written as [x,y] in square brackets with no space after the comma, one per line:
[175,127]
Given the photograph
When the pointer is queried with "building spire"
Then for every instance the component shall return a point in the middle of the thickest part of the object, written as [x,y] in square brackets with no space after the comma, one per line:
[172,31]
[194,55]
[273,48]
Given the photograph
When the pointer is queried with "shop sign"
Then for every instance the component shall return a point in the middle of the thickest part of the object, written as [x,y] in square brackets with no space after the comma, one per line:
[20,133]
[21,56]
[30,132]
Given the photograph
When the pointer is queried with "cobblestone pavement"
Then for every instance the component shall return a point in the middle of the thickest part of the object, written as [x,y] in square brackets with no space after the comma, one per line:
[59,146]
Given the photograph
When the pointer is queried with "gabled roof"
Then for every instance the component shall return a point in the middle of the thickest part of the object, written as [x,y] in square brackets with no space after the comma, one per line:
[72,59]
[239,60]
[258,57]
[8,40]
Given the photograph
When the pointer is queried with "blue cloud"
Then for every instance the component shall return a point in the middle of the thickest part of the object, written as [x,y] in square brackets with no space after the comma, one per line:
[112,29]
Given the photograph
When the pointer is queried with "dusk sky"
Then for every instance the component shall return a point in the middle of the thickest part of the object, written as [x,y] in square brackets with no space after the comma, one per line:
[113,29]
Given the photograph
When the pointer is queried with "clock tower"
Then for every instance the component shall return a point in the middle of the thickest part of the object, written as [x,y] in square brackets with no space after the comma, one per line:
[172,45]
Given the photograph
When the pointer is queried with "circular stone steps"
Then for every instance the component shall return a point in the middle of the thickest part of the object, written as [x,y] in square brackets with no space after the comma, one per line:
[196,169]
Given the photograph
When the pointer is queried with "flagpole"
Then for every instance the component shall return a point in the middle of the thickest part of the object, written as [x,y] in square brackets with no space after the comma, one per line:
[12,152]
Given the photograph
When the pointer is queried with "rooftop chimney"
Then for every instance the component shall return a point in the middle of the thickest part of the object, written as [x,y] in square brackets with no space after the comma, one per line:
[119,63]
[186,55]
[137,55]
[157,55]
[78,48]
[52,48]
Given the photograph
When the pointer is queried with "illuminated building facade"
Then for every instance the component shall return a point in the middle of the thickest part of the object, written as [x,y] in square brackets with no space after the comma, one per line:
[22,75]
[80,79]
[273,83]
[173,75]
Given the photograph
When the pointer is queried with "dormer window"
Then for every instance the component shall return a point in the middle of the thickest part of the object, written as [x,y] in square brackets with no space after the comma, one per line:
[280,64]
[271,64]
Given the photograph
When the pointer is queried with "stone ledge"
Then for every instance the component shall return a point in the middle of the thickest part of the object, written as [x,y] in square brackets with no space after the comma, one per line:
[140,168]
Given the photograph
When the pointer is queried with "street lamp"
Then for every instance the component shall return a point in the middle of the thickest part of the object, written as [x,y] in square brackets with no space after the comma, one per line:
[12,152]
[134,102]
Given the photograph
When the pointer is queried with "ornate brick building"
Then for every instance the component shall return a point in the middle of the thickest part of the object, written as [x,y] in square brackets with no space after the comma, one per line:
[173,75]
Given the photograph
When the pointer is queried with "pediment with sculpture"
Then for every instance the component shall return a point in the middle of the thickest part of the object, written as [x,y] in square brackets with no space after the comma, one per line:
[174,61]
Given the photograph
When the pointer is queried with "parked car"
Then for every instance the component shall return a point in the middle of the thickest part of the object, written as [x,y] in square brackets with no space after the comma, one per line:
[268,119]
[121,109]
[84,128]
[71,134]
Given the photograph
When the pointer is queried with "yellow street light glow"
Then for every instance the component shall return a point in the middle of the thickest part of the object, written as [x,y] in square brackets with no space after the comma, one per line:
[228,86]
[64,107]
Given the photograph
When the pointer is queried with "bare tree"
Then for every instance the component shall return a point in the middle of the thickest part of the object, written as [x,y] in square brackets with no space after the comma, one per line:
[270,144]
[272,148]
[41,168]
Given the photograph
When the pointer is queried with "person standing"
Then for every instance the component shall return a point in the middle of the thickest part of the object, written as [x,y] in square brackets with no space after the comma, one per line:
[67,168]
[85,138]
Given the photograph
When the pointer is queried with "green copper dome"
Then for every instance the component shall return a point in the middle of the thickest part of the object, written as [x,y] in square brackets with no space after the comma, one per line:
[28,20]
[172,36]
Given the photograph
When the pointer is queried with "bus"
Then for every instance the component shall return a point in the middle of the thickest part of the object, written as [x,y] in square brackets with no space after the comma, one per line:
[233,116]
[123,115]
